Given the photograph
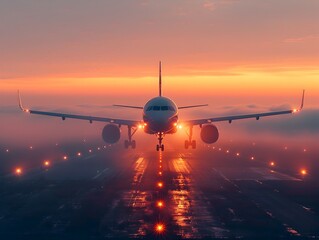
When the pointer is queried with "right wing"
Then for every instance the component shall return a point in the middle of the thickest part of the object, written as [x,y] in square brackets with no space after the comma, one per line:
[244,116]
[80,117]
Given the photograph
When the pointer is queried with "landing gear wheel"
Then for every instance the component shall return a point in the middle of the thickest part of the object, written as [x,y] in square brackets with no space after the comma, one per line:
[186,144]
[133,144]
[160,147]
[193,144]
[190,142]
[130,143]
[126,144]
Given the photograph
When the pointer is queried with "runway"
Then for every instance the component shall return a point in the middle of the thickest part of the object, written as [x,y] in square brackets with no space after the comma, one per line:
[110,194]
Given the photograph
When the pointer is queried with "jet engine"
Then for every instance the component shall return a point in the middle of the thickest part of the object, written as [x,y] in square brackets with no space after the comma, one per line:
[111,133]
[209,134]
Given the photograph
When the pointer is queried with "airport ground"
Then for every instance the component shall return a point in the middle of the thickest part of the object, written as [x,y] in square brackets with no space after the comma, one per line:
[224,191]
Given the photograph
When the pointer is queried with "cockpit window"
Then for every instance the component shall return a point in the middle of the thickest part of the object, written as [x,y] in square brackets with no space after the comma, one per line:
[160,108]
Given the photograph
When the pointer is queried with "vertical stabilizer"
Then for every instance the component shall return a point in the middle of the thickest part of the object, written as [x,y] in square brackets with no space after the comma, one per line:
[160,79]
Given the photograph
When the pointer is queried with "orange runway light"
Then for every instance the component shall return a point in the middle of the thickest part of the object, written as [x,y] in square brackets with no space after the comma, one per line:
[31,147]
[237,154]
[65,157]
[46,163]
[159,228]
[272,164]
[227,151]
[160,184]
[303,172]
[18,171]
[160,173]
[79,154]
[160,204]
[252,158]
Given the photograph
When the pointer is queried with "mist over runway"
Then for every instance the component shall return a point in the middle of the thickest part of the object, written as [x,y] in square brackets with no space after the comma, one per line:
[223,191]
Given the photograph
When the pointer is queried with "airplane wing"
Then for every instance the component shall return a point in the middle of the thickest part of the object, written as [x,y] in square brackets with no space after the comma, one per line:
[80,117]
[257,116]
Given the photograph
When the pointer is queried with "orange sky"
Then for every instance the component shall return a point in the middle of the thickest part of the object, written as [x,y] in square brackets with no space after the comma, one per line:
[226,48]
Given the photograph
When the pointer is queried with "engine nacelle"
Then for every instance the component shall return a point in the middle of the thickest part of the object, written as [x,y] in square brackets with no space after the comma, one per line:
[209,134]
[111,133]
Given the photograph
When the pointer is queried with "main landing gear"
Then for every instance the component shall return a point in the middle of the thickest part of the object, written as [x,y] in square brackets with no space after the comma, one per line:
[160,146]
[130,143]
[190,142]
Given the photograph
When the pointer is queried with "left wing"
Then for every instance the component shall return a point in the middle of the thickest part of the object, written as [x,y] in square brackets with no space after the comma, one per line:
[257,116]
[80,117]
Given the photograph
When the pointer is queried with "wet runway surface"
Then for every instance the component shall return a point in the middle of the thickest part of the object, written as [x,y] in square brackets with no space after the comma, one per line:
[105,194]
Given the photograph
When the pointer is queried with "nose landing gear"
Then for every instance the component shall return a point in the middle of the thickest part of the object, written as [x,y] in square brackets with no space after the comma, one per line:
[160,146]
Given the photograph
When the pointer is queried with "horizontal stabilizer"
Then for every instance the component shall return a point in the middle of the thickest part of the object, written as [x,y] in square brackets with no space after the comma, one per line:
[126,106]
[193,106]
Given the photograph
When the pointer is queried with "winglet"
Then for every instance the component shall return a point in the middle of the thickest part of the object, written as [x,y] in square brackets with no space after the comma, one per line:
[302,100]
[302,103]
[20,103]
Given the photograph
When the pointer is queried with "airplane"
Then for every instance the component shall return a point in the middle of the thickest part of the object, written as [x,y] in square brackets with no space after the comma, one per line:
[160,117]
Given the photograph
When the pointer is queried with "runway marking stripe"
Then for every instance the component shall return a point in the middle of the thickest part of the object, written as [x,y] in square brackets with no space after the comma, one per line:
[100,173]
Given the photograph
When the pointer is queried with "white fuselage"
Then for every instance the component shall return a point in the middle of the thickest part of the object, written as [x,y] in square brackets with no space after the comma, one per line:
[160,115]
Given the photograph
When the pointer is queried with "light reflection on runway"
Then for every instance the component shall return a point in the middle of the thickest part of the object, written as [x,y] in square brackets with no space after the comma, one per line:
[190,207]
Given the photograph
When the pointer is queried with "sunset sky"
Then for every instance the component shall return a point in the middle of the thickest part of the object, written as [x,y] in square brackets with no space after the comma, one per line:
[66,53]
